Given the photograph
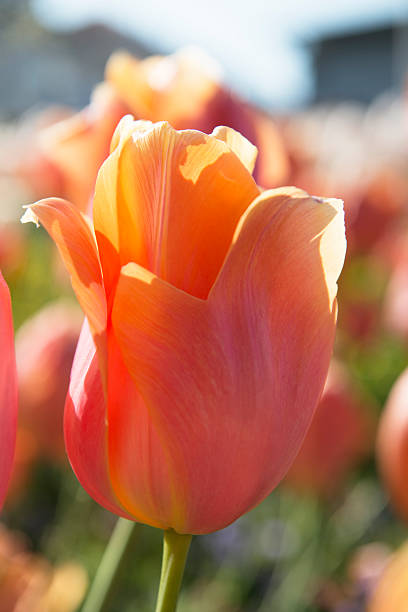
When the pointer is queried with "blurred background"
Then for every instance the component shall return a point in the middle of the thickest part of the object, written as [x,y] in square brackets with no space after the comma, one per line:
[321,89]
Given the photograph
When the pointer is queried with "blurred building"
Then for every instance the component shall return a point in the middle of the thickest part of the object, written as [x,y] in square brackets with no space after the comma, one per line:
[40,67]
[360,65]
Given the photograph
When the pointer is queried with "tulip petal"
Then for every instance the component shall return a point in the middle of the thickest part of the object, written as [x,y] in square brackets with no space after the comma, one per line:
[84,425]
[148,312]
[290,225]
[246,365]
[115,453]
[170,201]
[242,148]
[8,390]
[74,238]
[138,463]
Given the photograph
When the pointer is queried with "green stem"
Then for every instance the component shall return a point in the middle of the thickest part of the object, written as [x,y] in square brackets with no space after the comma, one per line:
[109,569]
[175,550]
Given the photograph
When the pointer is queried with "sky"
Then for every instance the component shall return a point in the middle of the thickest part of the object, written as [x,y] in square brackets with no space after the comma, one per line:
[260,44]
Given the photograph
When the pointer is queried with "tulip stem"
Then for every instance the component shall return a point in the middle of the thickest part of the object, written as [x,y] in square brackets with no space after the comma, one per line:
[175,550]
[109,569]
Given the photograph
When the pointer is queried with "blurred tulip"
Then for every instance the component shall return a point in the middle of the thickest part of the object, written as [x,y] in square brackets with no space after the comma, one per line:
[364,279]
[392,445]
[26,454]
[184,89]
[26,171]
[396,301]
[339,437]
[379,206]
[24,577]
[65,591]
[29,583]
[391,592]
[12,247]
[368,170]
[45,347]
[395,310]
[8,390]
[78,145]
[212,307]
[176,88]
[360,319]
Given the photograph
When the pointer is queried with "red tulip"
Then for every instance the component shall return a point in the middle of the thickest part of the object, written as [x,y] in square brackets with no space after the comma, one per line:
[212,309]
[392,445]
[8,390]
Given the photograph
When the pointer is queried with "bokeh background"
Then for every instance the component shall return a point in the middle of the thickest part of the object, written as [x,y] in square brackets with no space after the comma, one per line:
[322,89]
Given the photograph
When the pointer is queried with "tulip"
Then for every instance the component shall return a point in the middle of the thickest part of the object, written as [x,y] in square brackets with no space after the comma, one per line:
[396,294]
[184,89]
[45,348]
[338,439]
[392,445]
[13,248]
[78,145]
[8,390]
[26,172]
[211,314]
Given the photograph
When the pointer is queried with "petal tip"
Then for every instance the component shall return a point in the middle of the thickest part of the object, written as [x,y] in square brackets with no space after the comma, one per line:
[241,146]
[129,127]
[29,216]
[333,246]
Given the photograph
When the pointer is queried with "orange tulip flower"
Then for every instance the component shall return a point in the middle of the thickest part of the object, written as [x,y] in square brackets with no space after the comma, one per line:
[8,390]
[211,310]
